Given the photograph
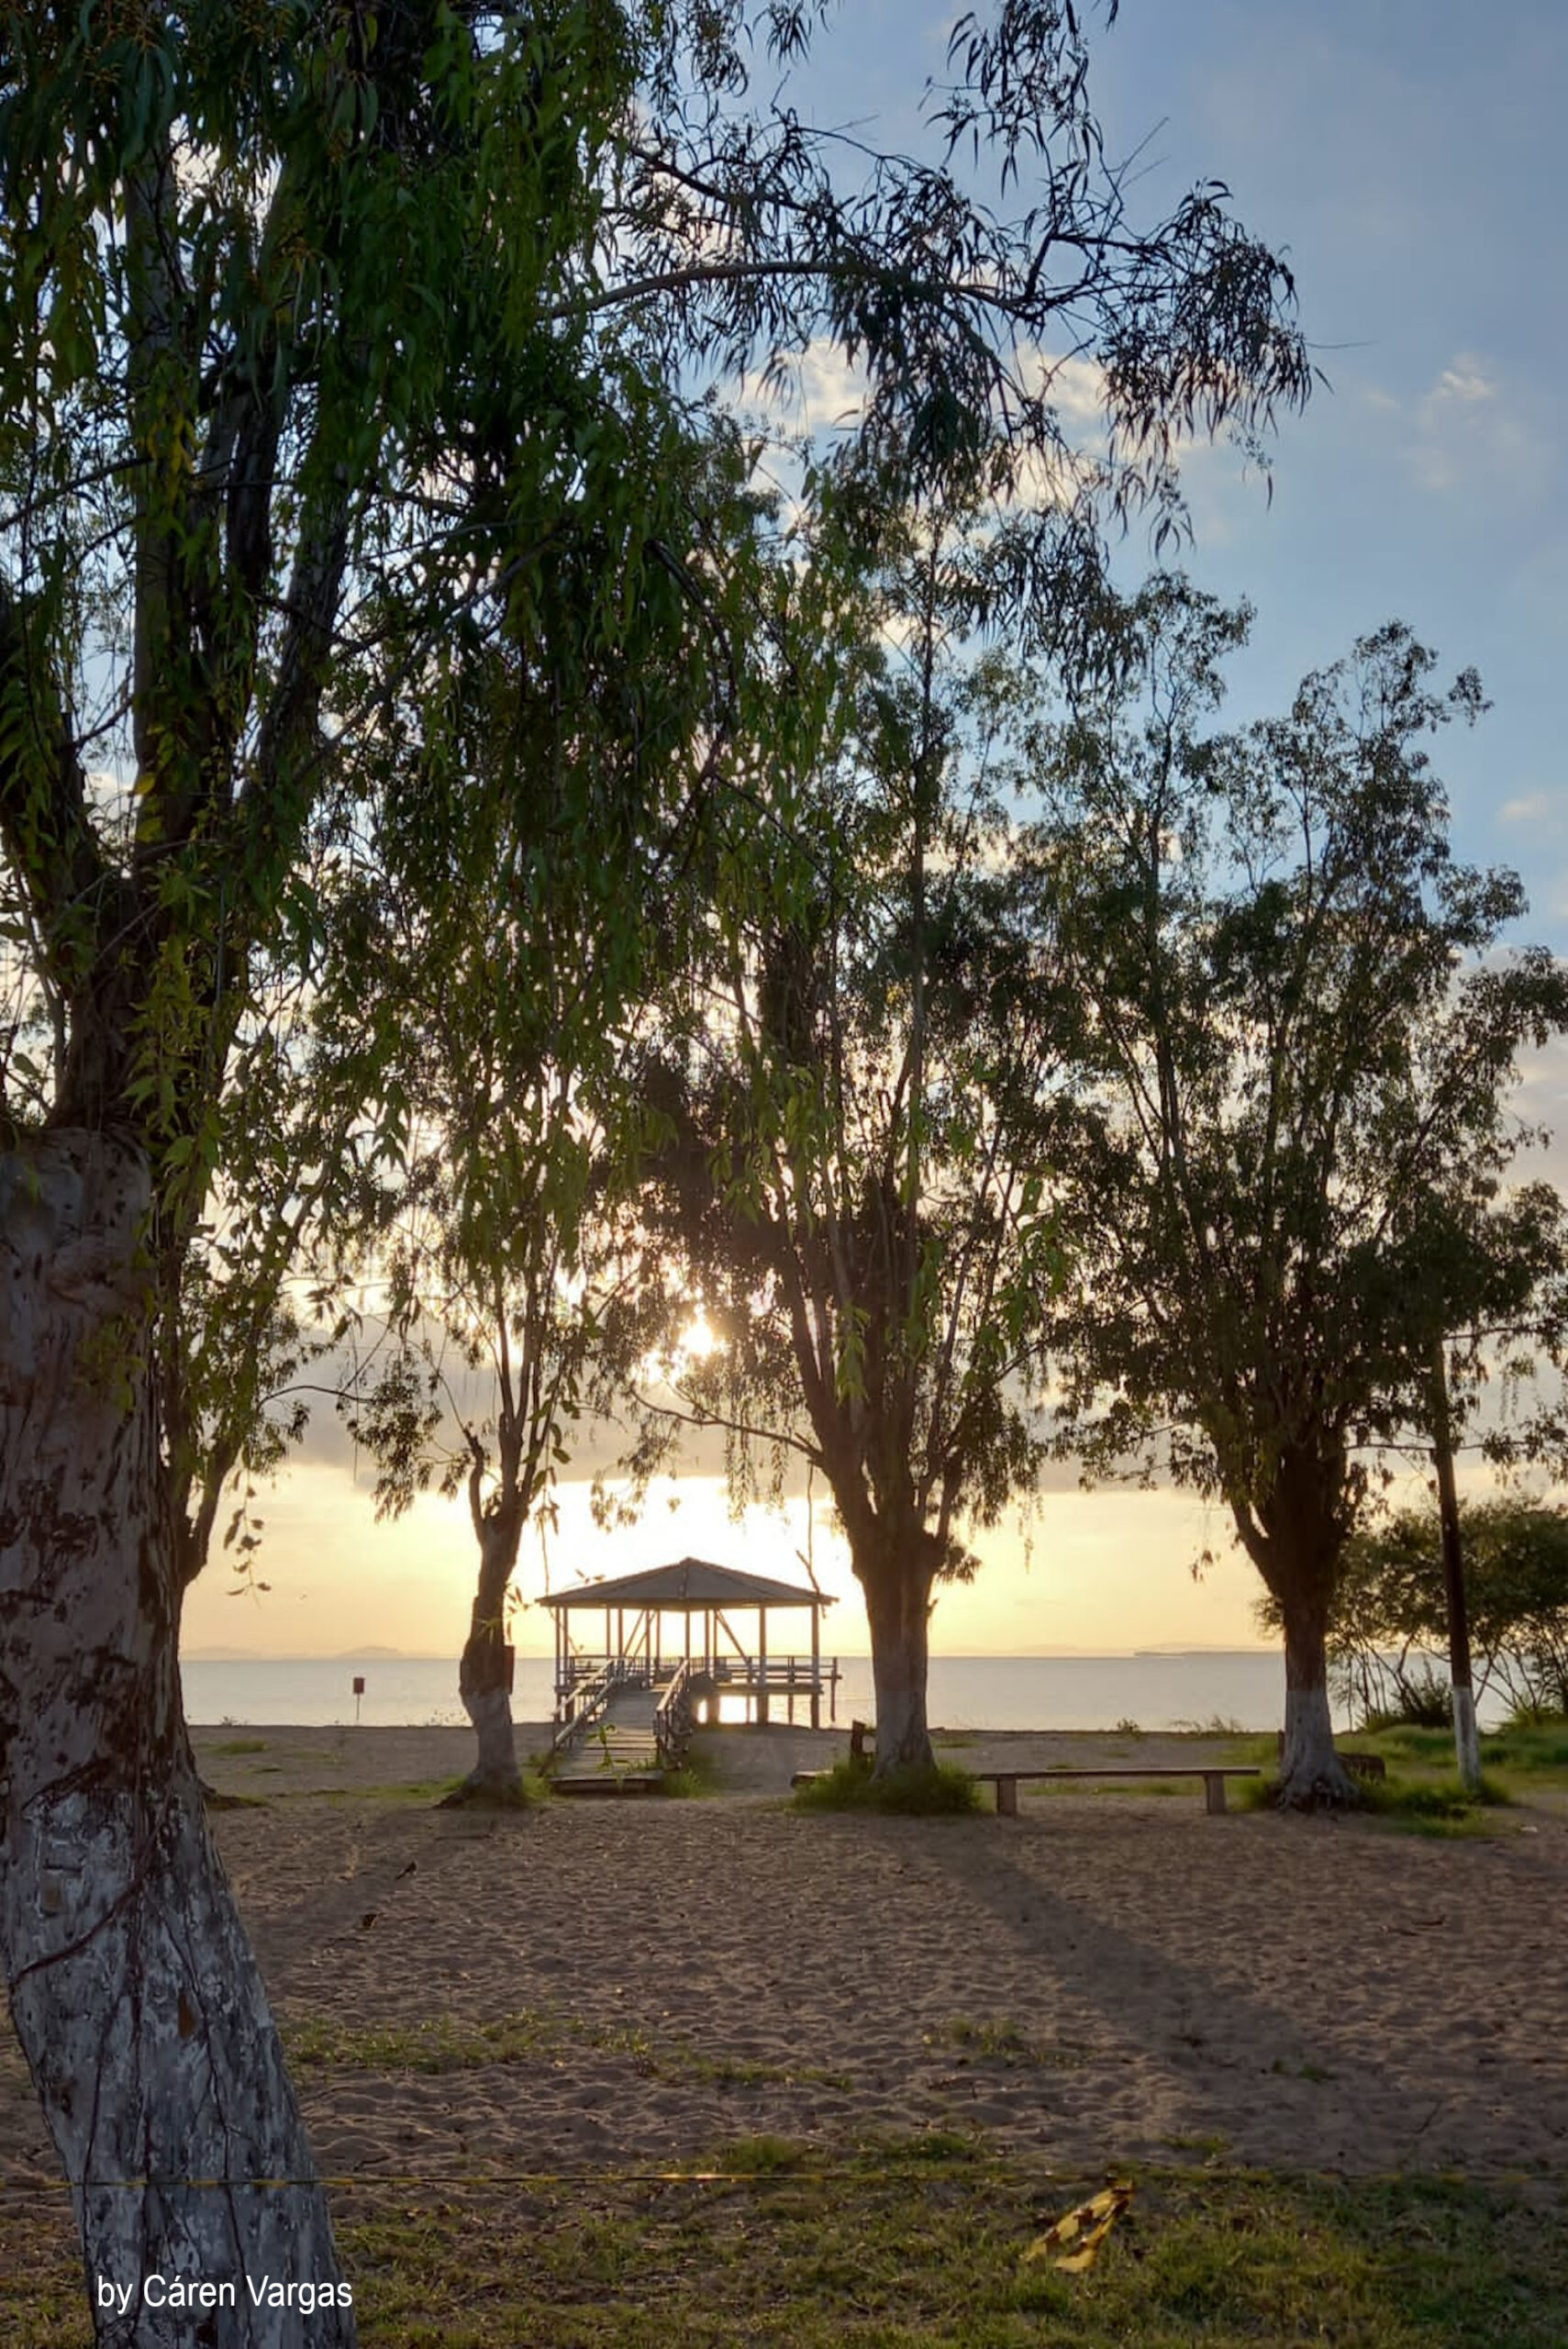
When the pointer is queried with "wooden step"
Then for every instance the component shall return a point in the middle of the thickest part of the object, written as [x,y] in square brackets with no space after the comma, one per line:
[610,1783]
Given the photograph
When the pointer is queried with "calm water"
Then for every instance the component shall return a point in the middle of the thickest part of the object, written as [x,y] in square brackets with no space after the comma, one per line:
[1079,1692]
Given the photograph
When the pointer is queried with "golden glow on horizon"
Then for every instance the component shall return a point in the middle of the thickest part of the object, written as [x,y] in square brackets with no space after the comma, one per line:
[1097,1572]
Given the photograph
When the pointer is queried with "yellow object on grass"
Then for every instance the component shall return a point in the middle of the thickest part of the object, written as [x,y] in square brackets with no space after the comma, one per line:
[1084,2228]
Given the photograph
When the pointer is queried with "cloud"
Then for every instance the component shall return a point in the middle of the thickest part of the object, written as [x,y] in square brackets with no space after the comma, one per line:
[818,390]
[1474,431]
[1075,387]
[1535,807]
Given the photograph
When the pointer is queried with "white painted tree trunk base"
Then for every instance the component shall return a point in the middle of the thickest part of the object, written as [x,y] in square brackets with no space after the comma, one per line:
[495,1774]
[1312,1777]
[1466,1739]
[132,1985]
[898,1682]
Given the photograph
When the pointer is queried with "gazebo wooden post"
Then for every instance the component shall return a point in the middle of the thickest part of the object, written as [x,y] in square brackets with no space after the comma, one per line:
[762,1665]
[816,1665]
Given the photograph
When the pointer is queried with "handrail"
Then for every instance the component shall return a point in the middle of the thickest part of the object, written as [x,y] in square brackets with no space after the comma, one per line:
[673,1717]
[590,1699]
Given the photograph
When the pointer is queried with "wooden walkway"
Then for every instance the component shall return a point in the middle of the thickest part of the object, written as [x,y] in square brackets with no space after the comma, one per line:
[617,1753]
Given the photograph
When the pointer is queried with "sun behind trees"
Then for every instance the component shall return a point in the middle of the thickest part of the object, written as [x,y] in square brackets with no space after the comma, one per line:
[855,1099]
[293,303]
[482,974]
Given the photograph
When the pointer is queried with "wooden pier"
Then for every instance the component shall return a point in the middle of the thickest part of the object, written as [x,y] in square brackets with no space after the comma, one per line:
[623,1710]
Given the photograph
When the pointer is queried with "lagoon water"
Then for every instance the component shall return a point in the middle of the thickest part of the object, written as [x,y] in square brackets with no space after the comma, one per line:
[1038,1692]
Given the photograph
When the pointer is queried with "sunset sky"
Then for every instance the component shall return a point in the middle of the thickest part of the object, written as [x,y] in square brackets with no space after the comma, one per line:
[1407,154]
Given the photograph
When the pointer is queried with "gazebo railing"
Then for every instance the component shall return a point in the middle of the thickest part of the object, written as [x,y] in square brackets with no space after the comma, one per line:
[586,1683]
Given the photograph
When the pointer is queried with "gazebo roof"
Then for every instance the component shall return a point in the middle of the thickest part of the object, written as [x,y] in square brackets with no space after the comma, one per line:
[691,1582]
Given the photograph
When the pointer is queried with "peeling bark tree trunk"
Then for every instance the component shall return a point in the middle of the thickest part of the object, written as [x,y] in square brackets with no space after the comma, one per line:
[898,1599]
[132,1985]
[481,1675]
[1311,1773]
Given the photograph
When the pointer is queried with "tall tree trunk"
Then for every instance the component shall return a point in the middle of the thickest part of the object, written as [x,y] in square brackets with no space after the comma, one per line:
[1311,1773]
[131,1983]
[483,1675]
[898,1599]
[1466,1739]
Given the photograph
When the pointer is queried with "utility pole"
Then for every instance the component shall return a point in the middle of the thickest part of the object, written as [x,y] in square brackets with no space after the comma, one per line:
[1467,1746]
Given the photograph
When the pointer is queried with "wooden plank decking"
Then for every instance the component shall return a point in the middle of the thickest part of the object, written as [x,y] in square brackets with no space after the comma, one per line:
[618,1753]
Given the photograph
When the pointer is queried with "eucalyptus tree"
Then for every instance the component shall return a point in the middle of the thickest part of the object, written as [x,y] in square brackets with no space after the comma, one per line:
[295,305]
[245,269]
[484,972]
[499,1250]
[852,1085]
[253,1314]
[1300,1033]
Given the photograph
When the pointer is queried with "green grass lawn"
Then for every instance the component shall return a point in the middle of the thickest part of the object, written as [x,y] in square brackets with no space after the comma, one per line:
[1421,1793]
[1519,1763]
[917,2245]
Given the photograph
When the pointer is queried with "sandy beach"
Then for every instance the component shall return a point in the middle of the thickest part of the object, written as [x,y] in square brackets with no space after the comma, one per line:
[1107,1977]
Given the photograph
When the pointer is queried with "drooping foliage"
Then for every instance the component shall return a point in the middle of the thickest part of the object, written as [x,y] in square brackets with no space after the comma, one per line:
[856,1092]
[1300,1036]
[519,879]
[335,338]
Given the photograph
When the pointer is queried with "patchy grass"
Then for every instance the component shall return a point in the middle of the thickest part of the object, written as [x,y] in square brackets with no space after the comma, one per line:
[425,1793]
[1527,1745]
[1522,1762]
[1001,2040]
[441,2043]
[699,1776]
[1421,1798]
[242,1745]
[436,2043]
[916,2243]
[1434,1807]
[918,1794]
[1513,1756]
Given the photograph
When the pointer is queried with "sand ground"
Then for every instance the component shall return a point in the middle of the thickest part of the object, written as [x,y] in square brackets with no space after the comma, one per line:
[1107,1977]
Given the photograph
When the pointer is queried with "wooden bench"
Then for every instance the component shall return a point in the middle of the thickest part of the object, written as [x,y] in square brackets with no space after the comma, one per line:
[1006,1782]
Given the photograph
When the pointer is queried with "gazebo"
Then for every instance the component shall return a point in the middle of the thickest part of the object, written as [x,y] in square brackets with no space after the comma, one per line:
[720,1663]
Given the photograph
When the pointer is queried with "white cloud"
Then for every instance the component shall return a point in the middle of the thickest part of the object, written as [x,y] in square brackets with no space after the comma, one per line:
[1471,430]
[1535,807]
[819,391]
[1075,388]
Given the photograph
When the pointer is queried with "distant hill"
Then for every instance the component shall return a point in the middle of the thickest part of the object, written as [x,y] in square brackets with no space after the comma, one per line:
[344,1656]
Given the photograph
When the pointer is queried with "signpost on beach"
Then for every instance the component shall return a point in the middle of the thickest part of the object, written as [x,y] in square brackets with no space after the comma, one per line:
[359,1692]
